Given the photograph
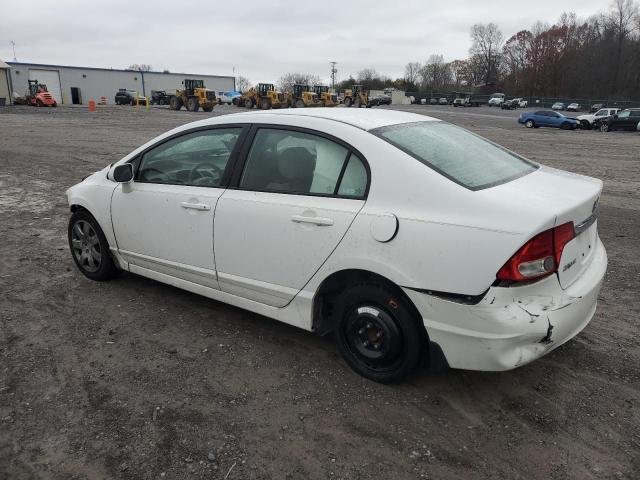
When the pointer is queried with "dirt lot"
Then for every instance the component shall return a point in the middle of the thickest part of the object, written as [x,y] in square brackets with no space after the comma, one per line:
[134,379]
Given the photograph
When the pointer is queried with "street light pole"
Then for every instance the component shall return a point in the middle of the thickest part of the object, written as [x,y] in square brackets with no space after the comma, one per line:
[333,74]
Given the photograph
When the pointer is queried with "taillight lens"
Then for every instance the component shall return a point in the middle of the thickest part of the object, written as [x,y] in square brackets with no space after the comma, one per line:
[539,257]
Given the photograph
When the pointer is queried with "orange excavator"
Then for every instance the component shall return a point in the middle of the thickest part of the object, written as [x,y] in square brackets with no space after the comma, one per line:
[37,96]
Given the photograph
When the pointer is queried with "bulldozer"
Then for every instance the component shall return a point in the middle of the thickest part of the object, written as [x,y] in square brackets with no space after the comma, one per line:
[264,96]
[37,96]
[356,96]
[302,96]
[194,96]
[326,98]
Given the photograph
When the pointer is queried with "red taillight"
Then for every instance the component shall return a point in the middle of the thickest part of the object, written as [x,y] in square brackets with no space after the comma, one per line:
[539,257]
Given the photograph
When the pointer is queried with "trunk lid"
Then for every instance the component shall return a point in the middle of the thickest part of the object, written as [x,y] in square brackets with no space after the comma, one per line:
[568,197]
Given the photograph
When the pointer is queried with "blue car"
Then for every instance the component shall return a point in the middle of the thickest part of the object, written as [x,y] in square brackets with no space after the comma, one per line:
[547,118]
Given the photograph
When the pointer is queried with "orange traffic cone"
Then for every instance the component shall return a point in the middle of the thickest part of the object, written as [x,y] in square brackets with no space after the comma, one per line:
[92,105]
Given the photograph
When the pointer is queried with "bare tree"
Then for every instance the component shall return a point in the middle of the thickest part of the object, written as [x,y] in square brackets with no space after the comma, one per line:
[242,84]
[436,73]
[486,43]
[287,81]
[412,72]
[140,67]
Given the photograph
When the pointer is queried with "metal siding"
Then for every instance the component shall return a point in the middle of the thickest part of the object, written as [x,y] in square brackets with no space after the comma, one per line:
[95,83]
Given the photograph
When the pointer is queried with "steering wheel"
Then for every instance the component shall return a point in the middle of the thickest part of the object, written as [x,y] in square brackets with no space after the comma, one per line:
[204,173]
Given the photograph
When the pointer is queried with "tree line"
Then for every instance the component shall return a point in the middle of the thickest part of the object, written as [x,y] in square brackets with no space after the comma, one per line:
[596,57]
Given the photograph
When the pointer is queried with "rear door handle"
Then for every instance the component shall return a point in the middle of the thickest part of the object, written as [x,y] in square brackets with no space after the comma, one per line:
[195,206]
[320,221]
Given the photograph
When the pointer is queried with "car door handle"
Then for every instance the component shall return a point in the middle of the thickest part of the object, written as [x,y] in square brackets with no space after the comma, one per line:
[320,221]
[195,206]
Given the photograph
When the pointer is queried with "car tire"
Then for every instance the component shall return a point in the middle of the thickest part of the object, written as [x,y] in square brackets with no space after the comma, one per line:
[89,247]
[377,333]
[192,104]
[565,126]
[529,124]
[604,127]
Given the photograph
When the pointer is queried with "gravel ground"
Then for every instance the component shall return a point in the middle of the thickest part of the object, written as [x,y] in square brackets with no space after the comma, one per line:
[138,380]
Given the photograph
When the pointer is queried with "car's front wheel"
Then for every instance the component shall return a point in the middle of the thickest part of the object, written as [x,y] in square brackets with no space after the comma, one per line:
[89,247]
[529,124]
[377,333]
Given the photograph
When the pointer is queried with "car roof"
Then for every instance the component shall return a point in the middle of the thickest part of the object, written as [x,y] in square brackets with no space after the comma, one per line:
[365,119]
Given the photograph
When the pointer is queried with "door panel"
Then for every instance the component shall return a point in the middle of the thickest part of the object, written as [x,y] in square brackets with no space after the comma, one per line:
[155,230]
[164,220]
[269,245]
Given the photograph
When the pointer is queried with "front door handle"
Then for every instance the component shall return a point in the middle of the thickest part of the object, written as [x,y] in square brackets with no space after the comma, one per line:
[195,206]
[320,221]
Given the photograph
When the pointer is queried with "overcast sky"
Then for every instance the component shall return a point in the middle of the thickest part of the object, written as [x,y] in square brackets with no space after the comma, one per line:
[261,39]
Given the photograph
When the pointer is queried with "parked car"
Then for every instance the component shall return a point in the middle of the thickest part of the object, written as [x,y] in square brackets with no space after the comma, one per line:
[626,119]
[558,106]
[443,101]
[523,103]
[587,120]
[574,107]
[380,100]
[230,98]
[279,214]
[547,118]
[433,101]
[128,97]
[512,104]
[595,107]
[496,99]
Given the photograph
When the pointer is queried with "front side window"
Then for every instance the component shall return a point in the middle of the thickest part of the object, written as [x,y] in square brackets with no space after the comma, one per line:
[456,153]
[284,161]
[198,159]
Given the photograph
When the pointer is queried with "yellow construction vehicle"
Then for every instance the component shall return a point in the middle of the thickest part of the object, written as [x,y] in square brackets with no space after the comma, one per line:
[194,96]
[326,98]
[264,96]
[356,96]
[302,96]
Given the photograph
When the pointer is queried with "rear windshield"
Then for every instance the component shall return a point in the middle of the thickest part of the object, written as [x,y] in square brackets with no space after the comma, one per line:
[456,153]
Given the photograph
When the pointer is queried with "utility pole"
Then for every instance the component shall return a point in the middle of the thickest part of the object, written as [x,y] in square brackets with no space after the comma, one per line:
[13,44]
[333,74]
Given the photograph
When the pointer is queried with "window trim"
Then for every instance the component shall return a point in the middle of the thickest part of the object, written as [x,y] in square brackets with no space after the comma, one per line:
[233,157]
[236,176]
[378,133]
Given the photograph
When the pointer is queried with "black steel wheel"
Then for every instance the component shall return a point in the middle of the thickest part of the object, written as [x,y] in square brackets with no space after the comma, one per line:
[89,247]
[377,333]
[175,103]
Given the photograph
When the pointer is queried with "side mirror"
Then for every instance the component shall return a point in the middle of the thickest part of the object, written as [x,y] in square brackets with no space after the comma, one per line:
[123,173]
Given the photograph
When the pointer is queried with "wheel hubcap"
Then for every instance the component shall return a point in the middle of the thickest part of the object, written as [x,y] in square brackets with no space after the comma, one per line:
[373,336]
[86,246]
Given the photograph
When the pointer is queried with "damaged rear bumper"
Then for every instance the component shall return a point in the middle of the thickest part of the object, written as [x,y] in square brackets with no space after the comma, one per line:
[512,326]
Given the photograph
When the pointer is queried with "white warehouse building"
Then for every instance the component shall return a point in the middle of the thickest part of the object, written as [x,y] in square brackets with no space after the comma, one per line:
[78,85]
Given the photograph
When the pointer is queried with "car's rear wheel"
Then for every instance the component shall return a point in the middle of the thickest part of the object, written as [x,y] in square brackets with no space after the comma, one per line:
[529,124]
[89,247]
[377,333]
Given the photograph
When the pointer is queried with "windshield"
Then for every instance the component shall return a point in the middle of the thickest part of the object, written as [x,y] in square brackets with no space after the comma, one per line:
[456,153]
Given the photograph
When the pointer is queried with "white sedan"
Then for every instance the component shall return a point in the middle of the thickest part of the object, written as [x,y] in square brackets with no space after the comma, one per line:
[404,236]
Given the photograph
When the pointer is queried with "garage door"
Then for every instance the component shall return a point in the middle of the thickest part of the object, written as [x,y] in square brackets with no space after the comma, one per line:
[50,78]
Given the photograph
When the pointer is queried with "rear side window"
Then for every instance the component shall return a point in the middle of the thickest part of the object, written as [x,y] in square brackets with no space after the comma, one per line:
[286,161]
[458,154]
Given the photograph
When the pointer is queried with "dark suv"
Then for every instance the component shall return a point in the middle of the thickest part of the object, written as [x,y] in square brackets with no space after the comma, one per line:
[623,120]
[126,97]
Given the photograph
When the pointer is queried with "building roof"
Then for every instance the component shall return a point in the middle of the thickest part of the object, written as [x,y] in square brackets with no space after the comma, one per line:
[3,65]
[365,119]
[46,65]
